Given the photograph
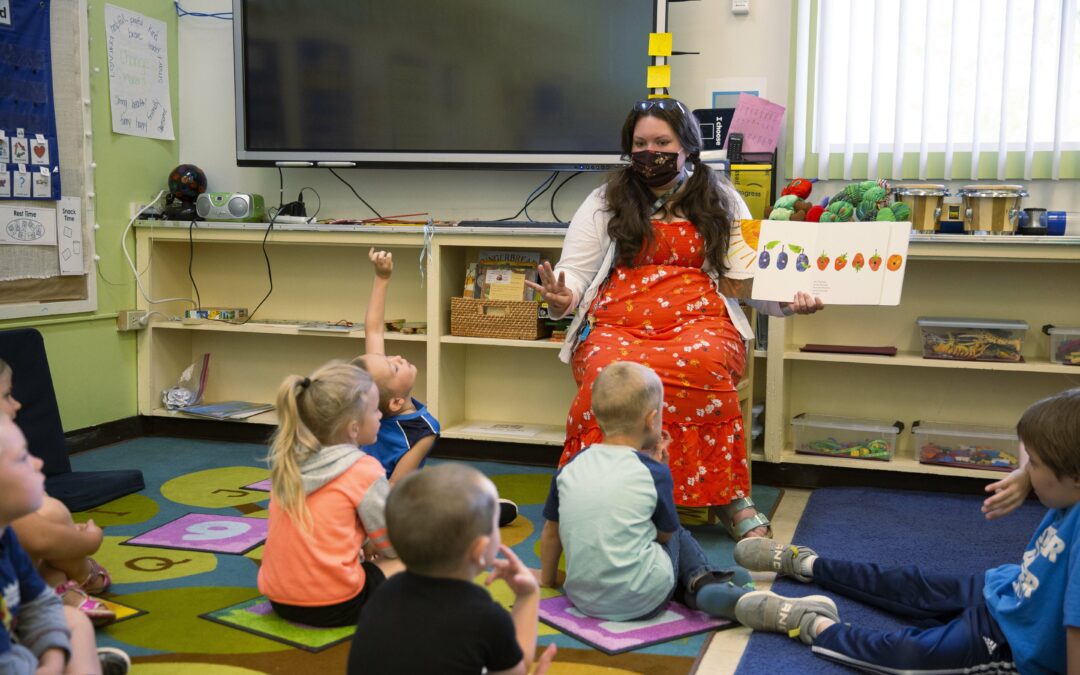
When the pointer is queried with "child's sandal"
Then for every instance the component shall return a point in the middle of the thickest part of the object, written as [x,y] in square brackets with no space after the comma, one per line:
[98,581]
[97,611]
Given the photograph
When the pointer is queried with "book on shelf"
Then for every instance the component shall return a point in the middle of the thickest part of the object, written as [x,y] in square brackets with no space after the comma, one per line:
[329,327]
[501,275]
[227,410]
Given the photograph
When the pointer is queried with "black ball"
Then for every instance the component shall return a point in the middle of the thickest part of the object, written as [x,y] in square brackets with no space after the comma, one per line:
[187,182]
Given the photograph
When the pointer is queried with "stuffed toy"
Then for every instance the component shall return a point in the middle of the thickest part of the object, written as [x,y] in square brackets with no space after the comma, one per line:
[792,204]
[800,187]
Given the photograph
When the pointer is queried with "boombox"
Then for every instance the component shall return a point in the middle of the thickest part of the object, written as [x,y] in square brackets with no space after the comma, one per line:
[236,206]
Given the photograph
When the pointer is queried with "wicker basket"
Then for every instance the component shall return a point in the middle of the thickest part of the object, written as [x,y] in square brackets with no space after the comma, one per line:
[509,319]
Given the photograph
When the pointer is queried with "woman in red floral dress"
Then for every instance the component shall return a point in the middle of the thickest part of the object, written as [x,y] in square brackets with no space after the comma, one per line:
[644,261]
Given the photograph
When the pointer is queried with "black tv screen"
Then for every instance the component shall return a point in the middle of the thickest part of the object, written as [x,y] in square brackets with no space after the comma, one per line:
[439,83]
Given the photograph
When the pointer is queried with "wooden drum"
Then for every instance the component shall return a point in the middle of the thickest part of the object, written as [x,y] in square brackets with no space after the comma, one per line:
[991,209]
[924,200]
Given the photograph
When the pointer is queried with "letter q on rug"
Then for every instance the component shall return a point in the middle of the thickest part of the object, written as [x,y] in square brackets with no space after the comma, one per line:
[206,532]
[616,637]
[257,617]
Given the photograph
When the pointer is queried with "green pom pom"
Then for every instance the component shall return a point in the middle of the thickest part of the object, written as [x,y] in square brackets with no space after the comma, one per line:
[852,193]
[785,202]
[874,194]
[867,210]
[845,213]
[781,214]
[886,214]
[827,217]
[902,211]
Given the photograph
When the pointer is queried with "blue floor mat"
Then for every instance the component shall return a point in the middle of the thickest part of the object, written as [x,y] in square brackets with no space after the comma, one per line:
[942,533]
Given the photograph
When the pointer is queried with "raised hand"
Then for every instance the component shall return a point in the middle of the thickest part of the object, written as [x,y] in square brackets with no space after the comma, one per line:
[553,288]
[510,569]
[383,262]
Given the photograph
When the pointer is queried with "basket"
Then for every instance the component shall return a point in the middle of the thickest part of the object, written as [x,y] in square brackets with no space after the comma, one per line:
[508,319]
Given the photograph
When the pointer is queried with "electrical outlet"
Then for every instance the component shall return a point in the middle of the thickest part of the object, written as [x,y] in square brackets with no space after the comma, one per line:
[131,319]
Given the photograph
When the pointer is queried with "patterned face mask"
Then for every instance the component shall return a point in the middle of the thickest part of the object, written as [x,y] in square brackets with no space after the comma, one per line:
[655,168]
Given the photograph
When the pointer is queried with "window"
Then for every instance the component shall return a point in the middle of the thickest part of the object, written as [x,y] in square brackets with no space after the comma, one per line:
[937,89]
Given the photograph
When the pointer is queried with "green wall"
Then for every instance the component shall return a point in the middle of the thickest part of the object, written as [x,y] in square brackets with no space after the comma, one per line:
[93,365]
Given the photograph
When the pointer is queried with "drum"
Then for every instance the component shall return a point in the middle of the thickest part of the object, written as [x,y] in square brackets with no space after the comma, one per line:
[991,209]
[924,200]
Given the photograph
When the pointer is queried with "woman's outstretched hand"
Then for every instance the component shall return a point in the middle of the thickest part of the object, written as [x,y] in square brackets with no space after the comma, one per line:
[553,289]
[805,303]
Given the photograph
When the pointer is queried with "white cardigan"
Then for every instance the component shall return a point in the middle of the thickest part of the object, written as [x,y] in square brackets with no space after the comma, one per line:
[588,254]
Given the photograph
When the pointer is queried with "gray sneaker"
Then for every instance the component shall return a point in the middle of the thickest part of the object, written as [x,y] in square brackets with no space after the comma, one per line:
[767,611]
[113,661]
[765,555]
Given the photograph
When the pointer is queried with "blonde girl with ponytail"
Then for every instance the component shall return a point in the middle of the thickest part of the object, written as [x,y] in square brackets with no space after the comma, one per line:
[327,499]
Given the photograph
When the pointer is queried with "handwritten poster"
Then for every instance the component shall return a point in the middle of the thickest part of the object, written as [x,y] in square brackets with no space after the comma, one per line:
[138,55]
[69,236]
[759,121]
[842,263]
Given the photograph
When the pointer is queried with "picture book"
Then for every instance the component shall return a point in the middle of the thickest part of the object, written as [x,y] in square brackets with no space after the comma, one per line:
[501,275]
[236,410]
[860,263]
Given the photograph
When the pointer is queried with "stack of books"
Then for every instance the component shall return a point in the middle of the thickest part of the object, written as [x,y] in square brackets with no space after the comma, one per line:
[501,275]
[227,410]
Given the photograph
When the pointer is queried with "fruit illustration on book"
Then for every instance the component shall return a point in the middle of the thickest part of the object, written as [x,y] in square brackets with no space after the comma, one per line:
[781,259]
[802,261]
[763,259]
[858,261]
[841,261]
[875,262]
[822,261]
[894,262]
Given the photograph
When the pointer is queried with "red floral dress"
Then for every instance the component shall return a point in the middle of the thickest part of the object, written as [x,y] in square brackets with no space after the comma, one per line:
[665,313]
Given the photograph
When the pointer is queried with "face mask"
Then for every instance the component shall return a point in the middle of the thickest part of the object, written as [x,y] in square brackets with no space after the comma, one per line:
[655,168]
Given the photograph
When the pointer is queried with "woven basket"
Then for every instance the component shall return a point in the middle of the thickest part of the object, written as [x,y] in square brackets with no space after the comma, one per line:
[508,319]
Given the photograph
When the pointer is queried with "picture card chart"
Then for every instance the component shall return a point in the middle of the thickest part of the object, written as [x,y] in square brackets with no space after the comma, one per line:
[842,263]
[28,155]
[138,56]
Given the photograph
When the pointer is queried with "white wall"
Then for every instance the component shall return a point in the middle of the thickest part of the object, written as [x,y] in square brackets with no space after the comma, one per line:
[732,47]
[207,134]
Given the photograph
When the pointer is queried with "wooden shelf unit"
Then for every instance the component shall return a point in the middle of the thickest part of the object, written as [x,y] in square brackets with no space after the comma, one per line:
[951,277]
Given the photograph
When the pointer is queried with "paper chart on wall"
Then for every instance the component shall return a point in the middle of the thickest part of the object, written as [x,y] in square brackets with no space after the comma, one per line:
[842,263]
[27,225]
[138,56]
[69,236]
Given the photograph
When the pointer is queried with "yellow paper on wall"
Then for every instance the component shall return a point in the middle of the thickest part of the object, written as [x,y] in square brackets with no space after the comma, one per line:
[659,44]
[659,77]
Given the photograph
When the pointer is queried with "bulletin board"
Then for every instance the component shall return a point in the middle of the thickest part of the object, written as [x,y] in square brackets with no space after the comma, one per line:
[33,279]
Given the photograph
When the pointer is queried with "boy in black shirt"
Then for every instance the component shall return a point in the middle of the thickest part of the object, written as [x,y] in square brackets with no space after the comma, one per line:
[432,618]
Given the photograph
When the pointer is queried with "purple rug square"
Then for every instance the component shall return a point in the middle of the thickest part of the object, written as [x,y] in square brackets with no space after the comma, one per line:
[261,486]
[616,637]
[206,532]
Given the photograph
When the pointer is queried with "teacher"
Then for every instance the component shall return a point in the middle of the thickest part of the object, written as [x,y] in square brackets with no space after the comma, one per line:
[653,261]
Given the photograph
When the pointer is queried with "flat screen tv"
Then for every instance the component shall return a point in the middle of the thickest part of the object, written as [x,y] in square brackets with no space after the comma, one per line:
[514,84]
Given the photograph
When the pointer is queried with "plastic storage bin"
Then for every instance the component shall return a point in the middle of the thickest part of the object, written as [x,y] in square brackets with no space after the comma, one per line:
[1064,344]
[972,339]
[966,445]
[852,437]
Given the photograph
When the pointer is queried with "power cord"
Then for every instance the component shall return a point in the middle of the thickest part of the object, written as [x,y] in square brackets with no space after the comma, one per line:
[564,182]
[131,263]
[379,215]
[534,195]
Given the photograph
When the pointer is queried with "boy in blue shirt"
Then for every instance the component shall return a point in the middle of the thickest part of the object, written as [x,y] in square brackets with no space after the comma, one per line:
[1019,616]
[612,506]
[408,431]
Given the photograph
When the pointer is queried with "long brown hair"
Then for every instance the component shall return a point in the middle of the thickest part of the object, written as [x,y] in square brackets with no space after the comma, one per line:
[311,410]
[701,200]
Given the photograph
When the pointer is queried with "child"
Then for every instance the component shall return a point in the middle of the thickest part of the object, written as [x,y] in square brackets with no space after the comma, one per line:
[59,548]
[1024,617]
[613,507]
[408,431]
[38,634]
[326,498]
[432,618]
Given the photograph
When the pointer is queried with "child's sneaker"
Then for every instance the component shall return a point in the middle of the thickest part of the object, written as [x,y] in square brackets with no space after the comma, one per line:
[113,661]
[508,511]
[767,611]
[765,555]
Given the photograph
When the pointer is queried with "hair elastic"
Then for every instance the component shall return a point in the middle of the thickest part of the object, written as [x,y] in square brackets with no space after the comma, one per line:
[306,382]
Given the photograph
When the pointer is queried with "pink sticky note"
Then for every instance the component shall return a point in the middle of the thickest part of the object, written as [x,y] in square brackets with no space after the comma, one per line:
[759,121]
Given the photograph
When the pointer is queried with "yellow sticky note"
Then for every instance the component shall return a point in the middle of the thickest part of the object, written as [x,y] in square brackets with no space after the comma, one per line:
[659,44]
[659,77]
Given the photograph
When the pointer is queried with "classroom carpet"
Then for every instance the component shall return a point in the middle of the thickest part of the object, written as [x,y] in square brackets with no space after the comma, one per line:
[167,590]
[942,533]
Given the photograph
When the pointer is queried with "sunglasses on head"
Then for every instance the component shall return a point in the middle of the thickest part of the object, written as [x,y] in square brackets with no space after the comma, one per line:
[665,104]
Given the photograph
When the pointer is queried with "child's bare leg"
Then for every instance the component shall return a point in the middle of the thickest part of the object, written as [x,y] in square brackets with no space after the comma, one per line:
[390,566]
[38,531]
[84,658]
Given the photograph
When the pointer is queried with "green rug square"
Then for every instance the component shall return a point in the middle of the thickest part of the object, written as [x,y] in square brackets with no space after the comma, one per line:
[258,617]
